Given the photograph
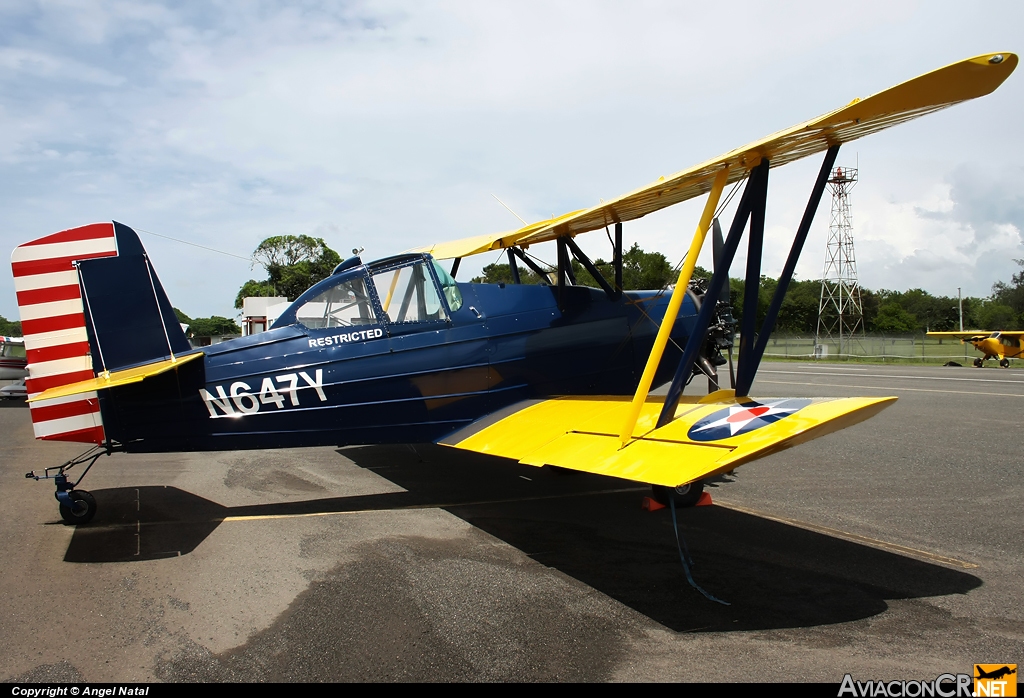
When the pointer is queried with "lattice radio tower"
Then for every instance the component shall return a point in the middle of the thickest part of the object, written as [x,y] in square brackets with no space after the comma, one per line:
[840,313]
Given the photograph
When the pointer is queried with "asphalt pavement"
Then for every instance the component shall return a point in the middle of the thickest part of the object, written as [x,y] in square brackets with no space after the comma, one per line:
[890,550]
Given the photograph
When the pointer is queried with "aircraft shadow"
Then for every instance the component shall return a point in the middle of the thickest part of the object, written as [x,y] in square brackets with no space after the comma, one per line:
[591,528]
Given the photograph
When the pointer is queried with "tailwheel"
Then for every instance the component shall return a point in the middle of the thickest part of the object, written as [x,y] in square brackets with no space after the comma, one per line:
[1005,363]
[76,506]
[684,495]
[978,363]
[80,509]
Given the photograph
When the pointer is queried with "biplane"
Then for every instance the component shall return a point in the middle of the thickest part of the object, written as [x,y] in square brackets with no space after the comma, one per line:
[1000,344]
[397,350]
[13,362]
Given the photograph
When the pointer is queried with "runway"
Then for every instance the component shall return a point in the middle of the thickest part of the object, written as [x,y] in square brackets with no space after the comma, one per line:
[891,550]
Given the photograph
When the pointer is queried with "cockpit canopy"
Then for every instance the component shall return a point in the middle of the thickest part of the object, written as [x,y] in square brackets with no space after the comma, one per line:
[404,290]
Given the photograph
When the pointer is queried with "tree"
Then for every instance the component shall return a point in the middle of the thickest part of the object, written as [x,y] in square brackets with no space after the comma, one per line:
[870,302]
[255,289]
[9,328]
[502,274]
[212,326]
[799,310]
[645,270]
[893,319]
[996,316]
[640,270]
[1011,295]
[293,263]
[207,326]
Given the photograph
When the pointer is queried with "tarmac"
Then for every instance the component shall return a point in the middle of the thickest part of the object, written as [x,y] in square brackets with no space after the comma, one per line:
[891,550]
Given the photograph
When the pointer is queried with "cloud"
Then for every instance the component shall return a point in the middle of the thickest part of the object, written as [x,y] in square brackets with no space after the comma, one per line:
[390,124]
[963,232]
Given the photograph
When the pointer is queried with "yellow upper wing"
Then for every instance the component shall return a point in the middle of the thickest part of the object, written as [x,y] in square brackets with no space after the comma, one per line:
[979,334]
[958,82]
[962,335]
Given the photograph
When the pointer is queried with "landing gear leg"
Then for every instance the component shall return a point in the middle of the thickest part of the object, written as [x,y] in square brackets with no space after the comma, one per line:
[76,506]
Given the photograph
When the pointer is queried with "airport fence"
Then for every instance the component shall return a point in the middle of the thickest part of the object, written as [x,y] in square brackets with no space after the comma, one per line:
[872,347]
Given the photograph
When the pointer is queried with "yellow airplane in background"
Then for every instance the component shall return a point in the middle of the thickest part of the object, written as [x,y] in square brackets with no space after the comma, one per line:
[1005,345]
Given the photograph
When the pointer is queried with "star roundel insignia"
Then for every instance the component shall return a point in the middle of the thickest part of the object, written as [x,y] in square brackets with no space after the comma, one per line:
[743,418]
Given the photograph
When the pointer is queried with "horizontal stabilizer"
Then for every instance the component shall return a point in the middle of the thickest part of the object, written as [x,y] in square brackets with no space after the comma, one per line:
[116,378]
[709,436]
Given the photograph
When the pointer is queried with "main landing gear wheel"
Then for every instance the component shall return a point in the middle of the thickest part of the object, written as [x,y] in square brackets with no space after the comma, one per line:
[978,363]
[82,509]
[1005,363]
[684,495]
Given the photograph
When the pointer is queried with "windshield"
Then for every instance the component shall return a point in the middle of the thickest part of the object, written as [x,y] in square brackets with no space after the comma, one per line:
[449,287]
[408,294]
[343,305]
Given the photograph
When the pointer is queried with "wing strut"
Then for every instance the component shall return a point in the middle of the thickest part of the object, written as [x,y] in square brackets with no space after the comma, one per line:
[532,265]
[751,290]
[583,259]
[674,303]
[744,382]
[617,260]
[565,274]
[756,188]
[512,266]
[752,343]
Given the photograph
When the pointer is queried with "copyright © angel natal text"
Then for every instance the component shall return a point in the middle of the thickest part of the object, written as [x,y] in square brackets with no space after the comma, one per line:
[100,692]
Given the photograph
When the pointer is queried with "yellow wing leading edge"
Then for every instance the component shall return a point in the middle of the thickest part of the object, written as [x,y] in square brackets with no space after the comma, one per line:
[955,83]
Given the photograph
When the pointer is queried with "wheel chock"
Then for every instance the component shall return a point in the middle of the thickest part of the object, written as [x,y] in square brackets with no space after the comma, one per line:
[705,500]
[651,505]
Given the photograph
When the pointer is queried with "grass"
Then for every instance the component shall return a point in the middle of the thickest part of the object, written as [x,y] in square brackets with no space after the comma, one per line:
[877,350]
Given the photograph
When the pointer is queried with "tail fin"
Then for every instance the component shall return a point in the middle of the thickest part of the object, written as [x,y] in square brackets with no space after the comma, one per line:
[89,302]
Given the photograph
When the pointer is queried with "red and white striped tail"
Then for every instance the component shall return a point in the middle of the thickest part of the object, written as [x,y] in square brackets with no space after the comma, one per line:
[53,322]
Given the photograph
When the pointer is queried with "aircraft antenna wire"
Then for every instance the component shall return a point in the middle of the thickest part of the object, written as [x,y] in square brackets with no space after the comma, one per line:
[193,244]
[510,210]
[679,264]
[732,192]
[721,207]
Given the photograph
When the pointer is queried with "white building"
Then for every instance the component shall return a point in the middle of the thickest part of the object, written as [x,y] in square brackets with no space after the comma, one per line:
[258,314]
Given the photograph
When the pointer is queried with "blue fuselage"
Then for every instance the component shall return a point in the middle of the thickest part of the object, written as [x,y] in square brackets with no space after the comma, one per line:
[381,382]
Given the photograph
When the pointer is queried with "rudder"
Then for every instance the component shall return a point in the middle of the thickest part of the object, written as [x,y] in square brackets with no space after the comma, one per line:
[89,302]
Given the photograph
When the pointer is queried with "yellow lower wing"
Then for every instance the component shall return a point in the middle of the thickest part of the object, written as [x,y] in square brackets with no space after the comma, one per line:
[709,435]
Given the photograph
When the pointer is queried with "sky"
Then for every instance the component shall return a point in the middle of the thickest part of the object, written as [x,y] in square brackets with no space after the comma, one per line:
[390,125]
